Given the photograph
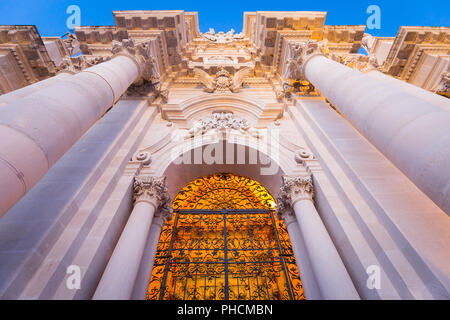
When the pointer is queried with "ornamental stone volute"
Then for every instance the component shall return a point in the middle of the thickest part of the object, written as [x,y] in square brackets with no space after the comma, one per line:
[293,189]
[153,190]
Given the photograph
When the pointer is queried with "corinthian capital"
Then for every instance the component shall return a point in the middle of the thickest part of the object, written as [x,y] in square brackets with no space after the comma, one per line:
[153,190]
[293,189]
[141,54]
[299,54]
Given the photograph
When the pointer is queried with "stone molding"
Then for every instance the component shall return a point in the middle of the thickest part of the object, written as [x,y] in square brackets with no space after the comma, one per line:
[201,105]
[153,190]
[293,189]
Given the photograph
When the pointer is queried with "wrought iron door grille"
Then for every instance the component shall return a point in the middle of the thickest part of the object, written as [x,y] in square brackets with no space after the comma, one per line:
[225,255]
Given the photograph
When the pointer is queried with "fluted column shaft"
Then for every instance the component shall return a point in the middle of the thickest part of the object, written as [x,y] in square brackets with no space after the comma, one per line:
[118,279]
[410,131]
[330,273]
[39,128]
[144,276]
[309,282]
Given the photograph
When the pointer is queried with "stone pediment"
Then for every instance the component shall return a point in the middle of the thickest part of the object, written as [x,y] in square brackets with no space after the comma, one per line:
[202,105]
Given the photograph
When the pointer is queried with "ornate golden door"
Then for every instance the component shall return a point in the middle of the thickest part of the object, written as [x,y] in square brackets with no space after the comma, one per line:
[224,243]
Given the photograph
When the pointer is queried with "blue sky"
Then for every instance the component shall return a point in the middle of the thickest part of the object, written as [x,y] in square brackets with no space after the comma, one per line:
[50,16]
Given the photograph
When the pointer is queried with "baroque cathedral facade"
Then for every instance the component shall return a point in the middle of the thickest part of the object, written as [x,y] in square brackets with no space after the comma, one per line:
[148,160]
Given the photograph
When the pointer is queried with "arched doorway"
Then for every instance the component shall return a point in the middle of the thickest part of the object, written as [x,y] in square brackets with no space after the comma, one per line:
[224,242]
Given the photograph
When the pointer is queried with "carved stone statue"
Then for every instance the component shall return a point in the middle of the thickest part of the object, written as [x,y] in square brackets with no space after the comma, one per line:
[366,43]
[222,37]
[72,44]
[443,87]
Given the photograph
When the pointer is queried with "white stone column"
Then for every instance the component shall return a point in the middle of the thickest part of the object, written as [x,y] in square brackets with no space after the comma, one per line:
[145,271]
[426,95]
[12,96]
[309,282]
[410,131]
[38,129]
[119,277]
[332,277]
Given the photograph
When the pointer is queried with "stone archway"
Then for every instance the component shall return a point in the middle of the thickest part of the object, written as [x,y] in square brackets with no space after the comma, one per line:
[224,242]
[174,164]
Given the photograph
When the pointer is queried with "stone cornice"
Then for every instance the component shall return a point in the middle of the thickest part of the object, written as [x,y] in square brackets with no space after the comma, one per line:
[27,48]
[409,44]
[415,56]
[153,190]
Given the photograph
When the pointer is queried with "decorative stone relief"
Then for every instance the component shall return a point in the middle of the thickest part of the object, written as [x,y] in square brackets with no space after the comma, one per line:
[360,62]
[222,37]
[222,121]
[301,155]
[146,88]
[223,81]
[293,189]
[151,189]
[80,63]
[280,95]
[164,95]
[142,156]
[299,88]
[299,53]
